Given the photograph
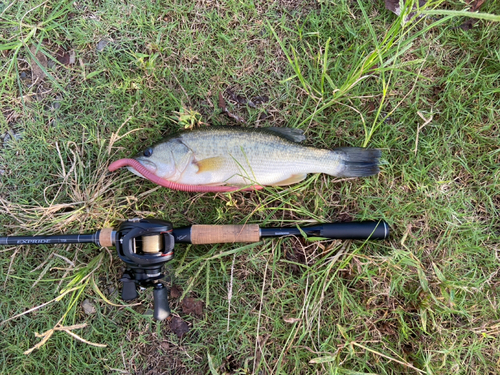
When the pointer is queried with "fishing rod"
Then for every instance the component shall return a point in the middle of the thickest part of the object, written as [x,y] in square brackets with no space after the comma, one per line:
[145,245]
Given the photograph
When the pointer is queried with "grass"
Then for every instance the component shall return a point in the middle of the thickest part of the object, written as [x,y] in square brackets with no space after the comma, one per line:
[347,73]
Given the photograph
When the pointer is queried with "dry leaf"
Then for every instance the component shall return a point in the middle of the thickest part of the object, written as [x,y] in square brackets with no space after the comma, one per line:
[241,100]
[165,346]
[264,116]
[192,306]
[258,100]
[88,307]
[39,61]
[65,57]
[178,326]
[175,291]
[292,320]
[236,117]
[394,7]
[325,359]
[475,5]
[102,44]
[48,334]
[222,105]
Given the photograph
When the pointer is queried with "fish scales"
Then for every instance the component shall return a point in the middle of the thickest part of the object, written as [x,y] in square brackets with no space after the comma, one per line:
[254,157]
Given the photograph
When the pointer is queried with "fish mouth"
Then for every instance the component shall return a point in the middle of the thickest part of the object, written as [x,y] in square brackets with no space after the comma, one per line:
[150,166]
[134,171]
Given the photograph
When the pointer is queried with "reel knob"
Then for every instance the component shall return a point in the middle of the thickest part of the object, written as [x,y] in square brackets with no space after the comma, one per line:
[160,302]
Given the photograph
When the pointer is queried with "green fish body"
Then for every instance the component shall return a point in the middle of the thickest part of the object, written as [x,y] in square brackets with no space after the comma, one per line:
[235,156]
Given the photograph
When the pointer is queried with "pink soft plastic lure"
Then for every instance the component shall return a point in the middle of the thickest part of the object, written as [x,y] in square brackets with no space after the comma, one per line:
[173,185]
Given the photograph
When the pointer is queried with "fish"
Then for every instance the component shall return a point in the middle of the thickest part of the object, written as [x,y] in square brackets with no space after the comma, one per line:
[226,158]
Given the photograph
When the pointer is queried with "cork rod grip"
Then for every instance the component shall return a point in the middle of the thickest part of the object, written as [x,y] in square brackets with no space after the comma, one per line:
[207,234]
[106,237]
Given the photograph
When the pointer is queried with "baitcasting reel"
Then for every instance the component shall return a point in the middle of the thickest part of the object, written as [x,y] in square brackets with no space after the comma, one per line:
[145,246]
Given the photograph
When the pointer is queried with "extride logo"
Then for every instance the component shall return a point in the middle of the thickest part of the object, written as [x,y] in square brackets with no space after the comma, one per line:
[22,242]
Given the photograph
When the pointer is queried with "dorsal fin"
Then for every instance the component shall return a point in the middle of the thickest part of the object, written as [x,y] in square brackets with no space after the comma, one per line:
[292,134]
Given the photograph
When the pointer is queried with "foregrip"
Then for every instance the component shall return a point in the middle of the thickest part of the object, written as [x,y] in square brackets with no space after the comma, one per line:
[106,237]
[209,234]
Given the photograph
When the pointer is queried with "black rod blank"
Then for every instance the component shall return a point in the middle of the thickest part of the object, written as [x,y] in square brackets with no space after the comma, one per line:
[50,240]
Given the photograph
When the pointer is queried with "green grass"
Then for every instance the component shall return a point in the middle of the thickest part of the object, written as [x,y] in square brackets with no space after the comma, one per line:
[347,73]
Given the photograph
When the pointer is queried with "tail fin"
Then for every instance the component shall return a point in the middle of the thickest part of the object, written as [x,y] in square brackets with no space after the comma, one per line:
[359,162]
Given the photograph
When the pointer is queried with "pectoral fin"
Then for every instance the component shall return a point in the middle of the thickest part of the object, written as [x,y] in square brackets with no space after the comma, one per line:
[210,164]
[291,180]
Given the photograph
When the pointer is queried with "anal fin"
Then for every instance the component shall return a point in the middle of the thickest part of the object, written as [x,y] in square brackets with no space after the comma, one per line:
[293,179]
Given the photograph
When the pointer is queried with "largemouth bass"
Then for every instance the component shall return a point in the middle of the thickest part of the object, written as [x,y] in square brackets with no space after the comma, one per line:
[219,159]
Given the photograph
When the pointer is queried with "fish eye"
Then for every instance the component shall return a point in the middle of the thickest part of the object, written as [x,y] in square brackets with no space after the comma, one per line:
[148,152]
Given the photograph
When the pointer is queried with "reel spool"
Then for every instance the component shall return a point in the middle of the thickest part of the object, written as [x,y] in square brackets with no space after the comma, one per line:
[152,244]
